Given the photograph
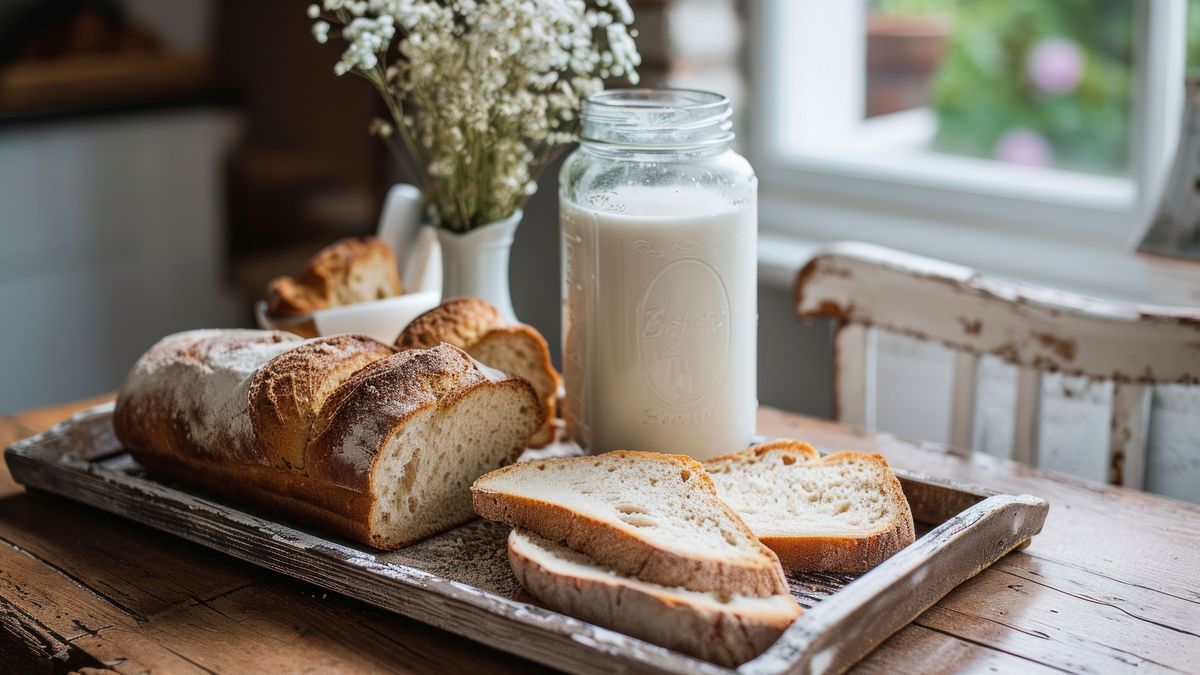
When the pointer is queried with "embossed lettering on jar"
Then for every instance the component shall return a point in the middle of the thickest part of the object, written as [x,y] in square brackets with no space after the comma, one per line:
[659,232]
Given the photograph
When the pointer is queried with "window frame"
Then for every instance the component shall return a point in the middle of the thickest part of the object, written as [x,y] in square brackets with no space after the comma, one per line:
[821,198]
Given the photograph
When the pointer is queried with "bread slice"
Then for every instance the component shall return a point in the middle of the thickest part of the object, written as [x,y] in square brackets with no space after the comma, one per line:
[844,512]
[726,631]
[478,329]
[346,272]
[646,515]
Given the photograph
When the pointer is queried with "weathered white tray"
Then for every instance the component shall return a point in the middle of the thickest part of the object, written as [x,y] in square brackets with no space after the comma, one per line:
[460,580]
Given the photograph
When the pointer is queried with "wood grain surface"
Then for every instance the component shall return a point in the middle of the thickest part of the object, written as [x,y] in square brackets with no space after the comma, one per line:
[1109,586]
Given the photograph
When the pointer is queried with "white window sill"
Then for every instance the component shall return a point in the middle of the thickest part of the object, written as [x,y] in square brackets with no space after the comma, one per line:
[792,231]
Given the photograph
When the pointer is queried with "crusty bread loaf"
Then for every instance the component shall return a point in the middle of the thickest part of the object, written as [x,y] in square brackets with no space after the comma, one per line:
[651,516]
[725,630]
[340,431]
[477,328]
[346,272]
[844,512]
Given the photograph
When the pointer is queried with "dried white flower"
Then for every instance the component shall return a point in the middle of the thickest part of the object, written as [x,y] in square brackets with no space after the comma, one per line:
[482,93]
[380,128]
[320,31]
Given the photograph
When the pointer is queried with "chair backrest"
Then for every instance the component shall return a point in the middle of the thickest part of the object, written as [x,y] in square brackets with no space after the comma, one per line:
[1039,331]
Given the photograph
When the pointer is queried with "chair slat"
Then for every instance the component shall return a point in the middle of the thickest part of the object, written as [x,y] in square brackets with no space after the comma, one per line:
[853,363]
[1128,433]
[1025,417]
[962,402]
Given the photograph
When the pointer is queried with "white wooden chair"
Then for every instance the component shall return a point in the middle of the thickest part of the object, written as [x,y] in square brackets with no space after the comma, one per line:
[868,289]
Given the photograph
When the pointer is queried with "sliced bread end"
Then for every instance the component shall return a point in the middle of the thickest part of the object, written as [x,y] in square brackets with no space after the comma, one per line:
[727,632]
[844,513]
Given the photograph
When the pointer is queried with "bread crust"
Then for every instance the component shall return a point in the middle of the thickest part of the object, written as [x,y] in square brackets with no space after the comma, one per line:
[378,400]
[725,633]
[152,411]
[627,552]
[852,553]
[471,324]
[166,433]
[457,321]
[328,280]
[803,452]
[287,393]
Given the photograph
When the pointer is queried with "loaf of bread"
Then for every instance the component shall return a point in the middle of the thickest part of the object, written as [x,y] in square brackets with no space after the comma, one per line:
[477,328]
[646,515]
[844,512]
[346,272]
[727,630]
[340,432]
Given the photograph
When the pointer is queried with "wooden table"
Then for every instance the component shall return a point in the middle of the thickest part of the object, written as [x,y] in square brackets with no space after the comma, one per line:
[1111,585]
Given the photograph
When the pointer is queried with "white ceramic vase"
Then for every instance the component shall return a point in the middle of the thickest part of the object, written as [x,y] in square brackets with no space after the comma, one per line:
[475,263]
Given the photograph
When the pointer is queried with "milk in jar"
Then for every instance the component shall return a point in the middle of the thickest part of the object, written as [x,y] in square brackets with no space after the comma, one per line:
[659,235]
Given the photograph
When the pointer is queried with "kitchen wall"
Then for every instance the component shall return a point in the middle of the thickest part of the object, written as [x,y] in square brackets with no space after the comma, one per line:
[111,235]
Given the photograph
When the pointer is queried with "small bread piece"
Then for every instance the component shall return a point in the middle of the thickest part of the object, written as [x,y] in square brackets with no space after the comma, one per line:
[646,515]
[457,321]
[346,272]
[478,329]
[726,631]
[842,513]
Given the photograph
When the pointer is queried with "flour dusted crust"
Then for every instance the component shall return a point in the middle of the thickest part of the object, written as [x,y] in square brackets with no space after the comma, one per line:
[726,631]
[476,327]
[832,544]
[457,321]
[346,272]
[286,393]
[187,394]
[320,429]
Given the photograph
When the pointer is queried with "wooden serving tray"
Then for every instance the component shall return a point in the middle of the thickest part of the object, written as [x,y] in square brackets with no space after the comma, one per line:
[460,580]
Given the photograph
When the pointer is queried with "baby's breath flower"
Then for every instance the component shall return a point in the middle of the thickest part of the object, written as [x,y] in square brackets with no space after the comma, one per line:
[320,31]
[481,93]
[380,128]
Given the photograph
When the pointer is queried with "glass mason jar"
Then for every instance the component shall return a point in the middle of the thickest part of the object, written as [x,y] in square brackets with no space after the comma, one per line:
[659,234]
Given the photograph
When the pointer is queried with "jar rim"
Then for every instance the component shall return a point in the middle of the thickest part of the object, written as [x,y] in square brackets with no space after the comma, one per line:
[642,98]
[657,119]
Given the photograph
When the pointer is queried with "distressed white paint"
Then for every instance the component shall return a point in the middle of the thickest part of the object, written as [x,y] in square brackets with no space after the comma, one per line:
[1058,420]
[1042,328]
[962,399]
[854,367]
[1025,415]
[912,384]
[1173,461]
[995,398]
[1073,425]
[1129,432]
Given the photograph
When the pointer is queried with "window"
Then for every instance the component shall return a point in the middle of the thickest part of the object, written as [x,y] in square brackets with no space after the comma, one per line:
[1023,115]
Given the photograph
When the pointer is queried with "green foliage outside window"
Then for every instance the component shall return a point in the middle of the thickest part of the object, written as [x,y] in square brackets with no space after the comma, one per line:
[1033,82]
